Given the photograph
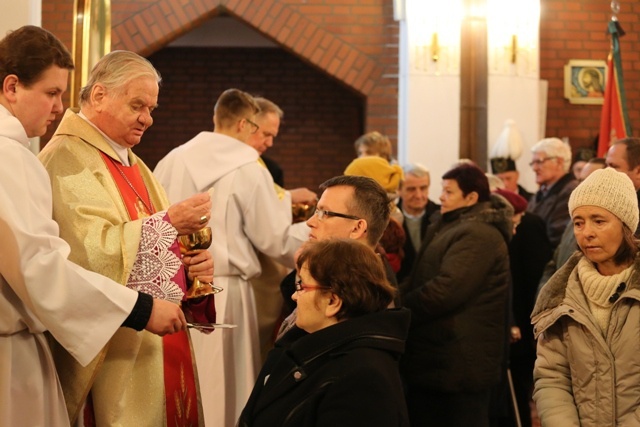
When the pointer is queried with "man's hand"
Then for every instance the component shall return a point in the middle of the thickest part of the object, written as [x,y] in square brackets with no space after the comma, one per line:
[166,318]
[191,214]
[515,334]
[199,263]
[304,196]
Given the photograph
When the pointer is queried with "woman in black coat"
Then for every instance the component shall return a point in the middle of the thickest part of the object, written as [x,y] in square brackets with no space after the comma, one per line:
[339,365]
[458,295]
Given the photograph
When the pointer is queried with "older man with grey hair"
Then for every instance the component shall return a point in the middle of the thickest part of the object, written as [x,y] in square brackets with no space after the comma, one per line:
[551,163]
[117,220]
[417,209]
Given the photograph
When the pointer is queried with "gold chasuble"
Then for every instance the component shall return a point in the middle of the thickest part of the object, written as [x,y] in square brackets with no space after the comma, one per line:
[112,217]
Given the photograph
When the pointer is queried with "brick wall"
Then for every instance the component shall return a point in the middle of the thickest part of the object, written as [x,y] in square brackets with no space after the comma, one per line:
[355,42]
[322,117]
[352,42]
[577,30]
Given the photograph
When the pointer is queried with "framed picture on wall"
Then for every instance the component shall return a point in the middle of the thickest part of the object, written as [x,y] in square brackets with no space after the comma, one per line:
[584,81]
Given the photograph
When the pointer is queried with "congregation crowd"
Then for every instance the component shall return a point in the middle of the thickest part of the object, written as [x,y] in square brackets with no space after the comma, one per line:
[380,305]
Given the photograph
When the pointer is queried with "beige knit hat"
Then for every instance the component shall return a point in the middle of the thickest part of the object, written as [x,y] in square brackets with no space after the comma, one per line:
[610,190]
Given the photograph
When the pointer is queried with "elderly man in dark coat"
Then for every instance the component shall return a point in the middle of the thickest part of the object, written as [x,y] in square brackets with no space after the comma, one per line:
[417,210]
[551,163]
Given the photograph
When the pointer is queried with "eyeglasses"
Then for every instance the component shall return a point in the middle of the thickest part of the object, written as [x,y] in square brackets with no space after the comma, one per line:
[301,286]
[322,214]
[539,162]
[254,126]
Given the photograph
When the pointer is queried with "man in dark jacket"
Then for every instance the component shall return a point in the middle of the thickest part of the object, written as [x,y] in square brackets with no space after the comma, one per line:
[416,209]
[354,207]
[551,163]
[458,297]
[624,156]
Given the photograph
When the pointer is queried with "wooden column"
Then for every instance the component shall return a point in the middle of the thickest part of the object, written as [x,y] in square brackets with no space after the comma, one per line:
[474,85]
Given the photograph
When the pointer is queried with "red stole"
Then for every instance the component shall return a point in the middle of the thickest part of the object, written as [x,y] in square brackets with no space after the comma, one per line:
[132,188]
[181,397]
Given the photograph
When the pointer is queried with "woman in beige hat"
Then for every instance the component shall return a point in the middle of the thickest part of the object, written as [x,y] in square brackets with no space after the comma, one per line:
[587,317]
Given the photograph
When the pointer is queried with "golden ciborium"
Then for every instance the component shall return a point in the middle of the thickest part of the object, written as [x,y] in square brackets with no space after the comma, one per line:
[302,211]
[189,243]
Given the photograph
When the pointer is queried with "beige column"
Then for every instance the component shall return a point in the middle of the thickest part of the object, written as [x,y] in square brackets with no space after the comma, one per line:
[91,40]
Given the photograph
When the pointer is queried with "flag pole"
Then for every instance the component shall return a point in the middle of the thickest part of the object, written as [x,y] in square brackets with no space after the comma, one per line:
[614,119]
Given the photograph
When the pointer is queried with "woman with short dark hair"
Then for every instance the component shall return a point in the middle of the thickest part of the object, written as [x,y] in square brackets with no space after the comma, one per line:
[339,366]
[457,294]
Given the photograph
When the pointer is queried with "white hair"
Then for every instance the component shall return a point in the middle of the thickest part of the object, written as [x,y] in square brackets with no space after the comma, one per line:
[554,147]
[416,169]
[115,70]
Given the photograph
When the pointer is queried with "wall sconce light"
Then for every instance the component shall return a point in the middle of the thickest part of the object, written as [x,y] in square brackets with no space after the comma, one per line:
[434,36]
[435,48]
[513,28]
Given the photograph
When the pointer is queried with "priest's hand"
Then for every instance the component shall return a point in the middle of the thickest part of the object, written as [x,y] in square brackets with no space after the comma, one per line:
[303,195]
[199,263]
[192,214]
[166,318]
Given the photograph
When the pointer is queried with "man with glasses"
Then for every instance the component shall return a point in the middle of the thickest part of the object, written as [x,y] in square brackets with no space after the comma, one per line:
[247,217]
[354,207]
[551,163]
[268,121]
[350,206]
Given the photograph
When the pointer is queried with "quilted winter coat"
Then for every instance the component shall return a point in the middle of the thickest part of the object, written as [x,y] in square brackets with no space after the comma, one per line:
[582,376]
[458,295]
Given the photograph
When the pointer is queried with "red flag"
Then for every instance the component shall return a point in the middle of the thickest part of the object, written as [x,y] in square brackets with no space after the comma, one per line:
[614,121]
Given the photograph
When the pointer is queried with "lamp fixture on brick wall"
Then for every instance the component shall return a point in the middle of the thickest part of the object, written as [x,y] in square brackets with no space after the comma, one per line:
[512,28]
[434,34]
